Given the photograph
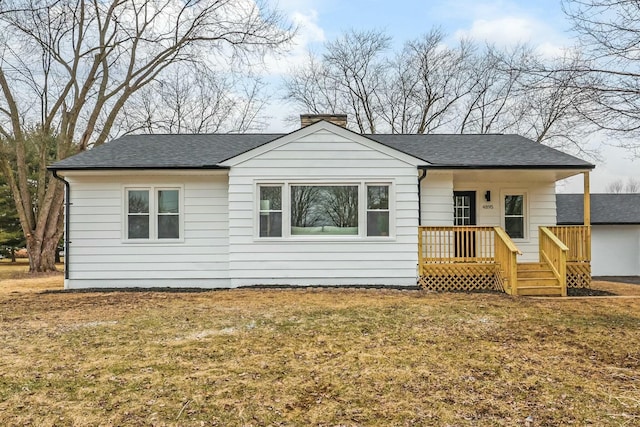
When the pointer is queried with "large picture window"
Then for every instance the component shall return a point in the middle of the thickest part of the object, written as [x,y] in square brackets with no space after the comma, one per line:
[514,221]
[345,209]
[153,214]
[324,210]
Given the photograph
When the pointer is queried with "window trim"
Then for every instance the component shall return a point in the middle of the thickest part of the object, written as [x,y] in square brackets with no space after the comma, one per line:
[362,185]
[525,212]
[153,213]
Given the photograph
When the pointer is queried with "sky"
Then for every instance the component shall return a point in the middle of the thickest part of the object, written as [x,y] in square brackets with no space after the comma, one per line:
[540,23]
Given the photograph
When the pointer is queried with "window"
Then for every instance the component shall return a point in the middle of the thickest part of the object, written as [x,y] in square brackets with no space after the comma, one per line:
[344,209]
[270,211]
[514,223]
[168,214]
[324,210]
[153,214]
[377,210]
[138,214]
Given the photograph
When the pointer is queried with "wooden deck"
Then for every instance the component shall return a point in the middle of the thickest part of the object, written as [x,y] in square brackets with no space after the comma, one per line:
[467,258]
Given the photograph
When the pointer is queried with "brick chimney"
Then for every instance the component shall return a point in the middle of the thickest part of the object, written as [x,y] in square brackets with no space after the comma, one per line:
[336,119]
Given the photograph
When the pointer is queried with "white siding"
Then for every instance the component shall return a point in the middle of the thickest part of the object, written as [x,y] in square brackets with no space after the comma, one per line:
[615,250]
[322,157]
[100,258]
[437,198]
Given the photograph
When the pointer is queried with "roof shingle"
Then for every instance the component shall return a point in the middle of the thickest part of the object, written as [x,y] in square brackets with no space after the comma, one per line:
[179,151]
[605,209]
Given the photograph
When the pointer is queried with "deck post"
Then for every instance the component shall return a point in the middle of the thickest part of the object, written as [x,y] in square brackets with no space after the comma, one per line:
[420,253]
[587,213]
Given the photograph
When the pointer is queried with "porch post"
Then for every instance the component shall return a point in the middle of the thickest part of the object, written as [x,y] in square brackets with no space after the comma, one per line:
[587,200]
[587,213]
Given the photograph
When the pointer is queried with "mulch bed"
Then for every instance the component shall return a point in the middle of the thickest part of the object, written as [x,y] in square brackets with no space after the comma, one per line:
[586,292]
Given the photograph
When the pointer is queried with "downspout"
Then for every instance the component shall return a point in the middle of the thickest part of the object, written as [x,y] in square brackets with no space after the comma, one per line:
[420,178]
[67,194]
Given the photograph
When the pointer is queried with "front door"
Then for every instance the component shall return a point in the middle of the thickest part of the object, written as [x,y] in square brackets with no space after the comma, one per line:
[464,213]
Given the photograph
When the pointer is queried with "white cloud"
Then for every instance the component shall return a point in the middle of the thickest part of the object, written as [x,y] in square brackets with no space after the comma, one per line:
[513,29]
[309,33]
[501,31]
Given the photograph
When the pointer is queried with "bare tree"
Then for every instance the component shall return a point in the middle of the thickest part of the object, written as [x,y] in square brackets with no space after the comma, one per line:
[619,186]
[425,81]
[68,67]
[616,186]
[609,35]
[632,186]
[195,100]
[489,107]
[547,105]
[429,87]
[346,79]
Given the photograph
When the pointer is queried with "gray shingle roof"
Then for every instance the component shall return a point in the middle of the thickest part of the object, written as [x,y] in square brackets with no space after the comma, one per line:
[605,209]
[165,151]
[209,150]
[479,151]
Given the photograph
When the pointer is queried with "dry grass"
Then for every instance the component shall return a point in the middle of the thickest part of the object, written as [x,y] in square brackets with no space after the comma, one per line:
[14,278]
[316,357]
[622,289]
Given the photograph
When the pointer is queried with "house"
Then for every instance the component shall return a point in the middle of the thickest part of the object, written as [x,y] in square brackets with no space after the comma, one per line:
[319,206]
[615,230]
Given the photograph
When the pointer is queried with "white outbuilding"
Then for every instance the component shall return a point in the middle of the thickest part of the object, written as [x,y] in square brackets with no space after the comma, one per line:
[615,230]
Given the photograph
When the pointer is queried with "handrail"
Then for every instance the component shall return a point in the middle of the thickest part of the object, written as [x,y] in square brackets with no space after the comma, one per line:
[447,244]
[507,240]
[554,253]
[506,254]
[578,240]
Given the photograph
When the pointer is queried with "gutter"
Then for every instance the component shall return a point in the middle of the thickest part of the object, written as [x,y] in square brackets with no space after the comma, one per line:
[140,168]
[511,167]
[422,176]
[67,204]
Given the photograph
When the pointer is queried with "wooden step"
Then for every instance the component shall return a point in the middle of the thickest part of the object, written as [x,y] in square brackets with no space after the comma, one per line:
[538,281]
[542,291]
[536,274]
[535,266]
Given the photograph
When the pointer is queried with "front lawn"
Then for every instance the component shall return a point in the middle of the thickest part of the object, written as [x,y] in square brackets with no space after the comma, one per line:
[316,357]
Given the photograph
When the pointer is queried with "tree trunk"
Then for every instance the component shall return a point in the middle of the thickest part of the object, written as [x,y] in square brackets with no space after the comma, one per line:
[42,255]
[43,243]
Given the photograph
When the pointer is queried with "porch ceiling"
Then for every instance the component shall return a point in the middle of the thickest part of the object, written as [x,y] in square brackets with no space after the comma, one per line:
[510,175]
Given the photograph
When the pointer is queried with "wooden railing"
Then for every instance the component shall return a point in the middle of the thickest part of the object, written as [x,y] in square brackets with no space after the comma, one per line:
[448,244]
[554,253]
[506,254]
[577,238]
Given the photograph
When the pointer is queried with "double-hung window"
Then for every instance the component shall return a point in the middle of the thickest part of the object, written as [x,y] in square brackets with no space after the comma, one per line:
[292,209]
[153,214]
[270,211]
[377,210]
[514,219]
